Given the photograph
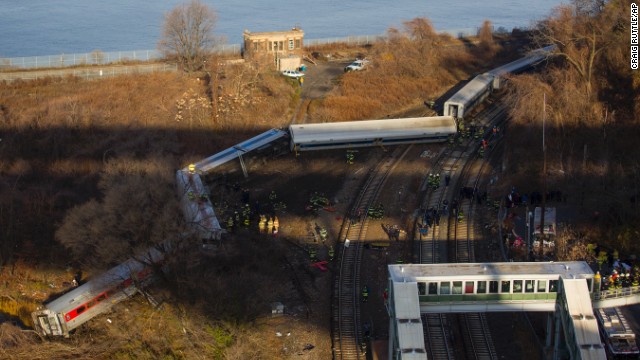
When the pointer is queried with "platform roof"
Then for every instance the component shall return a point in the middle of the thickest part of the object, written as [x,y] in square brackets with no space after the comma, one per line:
[419,272]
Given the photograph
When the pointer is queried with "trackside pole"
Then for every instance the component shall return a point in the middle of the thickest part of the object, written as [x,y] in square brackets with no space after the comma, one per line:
[550,329]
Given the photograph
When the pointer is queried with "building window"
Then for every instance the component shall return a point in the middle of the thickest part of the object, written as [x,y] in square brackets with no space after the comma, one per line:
[290,44]
[528,286]
[433,288]
[255,46]
[297,43]
[482,287]
[517,286]
[505,286]
[542,285]
[468,287]
[270,46]
[457,288]
[445,288]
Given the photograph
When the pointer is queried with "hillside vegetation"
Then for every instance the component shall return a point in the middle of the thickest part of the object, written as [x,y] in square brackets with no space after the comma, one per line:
[75,154]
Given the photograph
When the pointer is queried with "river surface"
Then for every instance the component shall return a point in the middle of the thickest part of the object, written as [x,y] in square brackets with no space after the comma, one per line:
[52,27]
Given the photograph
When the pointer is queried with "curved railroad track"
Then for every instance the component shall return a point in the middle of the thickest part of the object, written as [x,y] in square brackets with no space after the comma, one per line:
[346,329]
[460,162]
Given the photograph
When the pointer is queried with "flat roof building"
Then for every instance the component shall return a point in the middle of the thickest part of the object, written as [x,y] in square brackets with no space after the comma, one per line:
[276,42]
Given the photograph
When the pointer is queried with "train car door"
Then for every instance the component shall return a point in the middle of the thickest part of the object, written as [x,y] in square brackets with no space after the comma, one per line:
[453,110]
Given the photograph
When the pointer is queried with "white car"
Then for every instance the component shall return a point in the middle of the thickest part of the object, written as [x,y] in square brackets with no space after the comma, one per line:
[356,65]
[292,74]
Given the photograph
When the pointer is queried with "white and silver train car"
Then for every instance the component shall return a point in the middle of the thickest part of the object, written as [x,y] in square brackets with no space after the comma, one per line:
[353,134]
[476,90]
[197,207]
[580,325]
[64,314]
[267,138]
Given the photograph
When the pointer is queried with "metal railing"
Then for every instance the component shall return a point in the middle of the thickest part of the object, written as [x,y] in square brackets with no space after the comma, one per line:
[616,293]
[98,57]
[88,72]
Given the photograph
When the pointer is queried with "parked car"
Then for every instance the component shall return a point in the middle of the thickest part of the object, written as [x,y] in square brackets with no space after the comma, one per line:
[292,74]
[356,65]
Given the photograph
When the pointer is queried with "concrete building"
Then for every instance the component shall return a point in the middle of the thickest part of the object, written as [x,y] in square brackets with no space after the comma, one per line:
[284,48]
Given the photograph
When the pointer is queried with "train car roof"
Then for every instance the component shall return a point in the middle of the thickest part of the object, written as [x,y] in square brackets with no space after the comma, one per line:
[408,321]
[371,129]
[472,89]
[231,153]
[585,325]
[420,272]
[523,63]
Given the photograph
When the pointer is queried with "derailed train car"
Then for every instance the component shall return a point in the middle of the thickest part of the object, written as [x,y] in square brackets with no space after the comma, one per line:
[353,134]
[64,314]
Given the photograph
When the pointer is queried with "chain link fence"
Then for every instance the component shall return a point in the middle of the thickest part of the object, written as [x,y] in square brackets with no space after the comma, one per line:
[101,58]
[94,72]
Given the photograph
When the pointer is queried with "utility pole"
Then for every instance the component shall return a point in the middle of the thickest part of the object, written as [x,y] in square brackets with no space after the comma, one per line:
[544,178]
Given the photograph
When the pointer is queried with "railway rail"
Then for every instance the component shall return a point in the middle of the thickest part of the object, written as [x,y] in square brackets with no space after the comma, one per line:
[348,341]
[459,162]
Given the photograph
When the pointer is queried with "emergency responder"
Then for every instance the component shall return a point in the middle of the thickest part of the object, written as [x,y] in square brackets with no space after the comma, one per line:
[269,225]
[460,216]
[276,223]
[191,195]
[272,196]
[365,293]
[350,158]
[481,152]
[331,253]
[323,234]
[312,254]
[192,168]
[230,223]
[262,225]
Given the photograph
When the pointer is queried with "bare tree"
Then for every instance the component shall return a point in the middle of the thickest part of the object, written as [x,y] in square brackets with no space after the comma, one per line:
[578,38]
[188,34]
[139,210]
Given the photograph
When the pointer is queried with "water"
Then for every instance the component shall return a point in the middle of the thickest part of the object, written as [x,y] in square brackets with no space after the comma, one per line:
[51,27]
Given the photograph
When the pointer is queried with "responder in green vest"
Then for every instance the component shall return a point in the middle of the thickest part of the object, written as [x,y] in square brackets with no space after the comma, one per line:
[365,293]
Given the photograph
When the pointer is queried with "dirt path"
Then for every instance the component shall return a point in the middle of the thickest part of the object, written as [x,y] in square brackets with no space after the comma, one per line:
[319,80]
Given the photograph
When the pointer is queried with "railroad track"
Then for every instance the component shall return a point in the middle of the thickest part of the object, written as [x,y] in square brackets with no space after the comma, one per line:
[477,341]
[346,329]
[459,162]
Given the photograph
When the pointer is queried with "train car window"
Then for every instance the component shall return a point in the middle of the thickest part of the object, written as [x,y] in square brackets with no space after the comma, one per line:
[422,288]
[80,310]
[433,288]
[457,288]
[505,286]
[101,297]
[517,286]
[528,286]
[482,287]
[542,285]
[553,286]
[445,288]
[468,287]
[91,303]
[493,287]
